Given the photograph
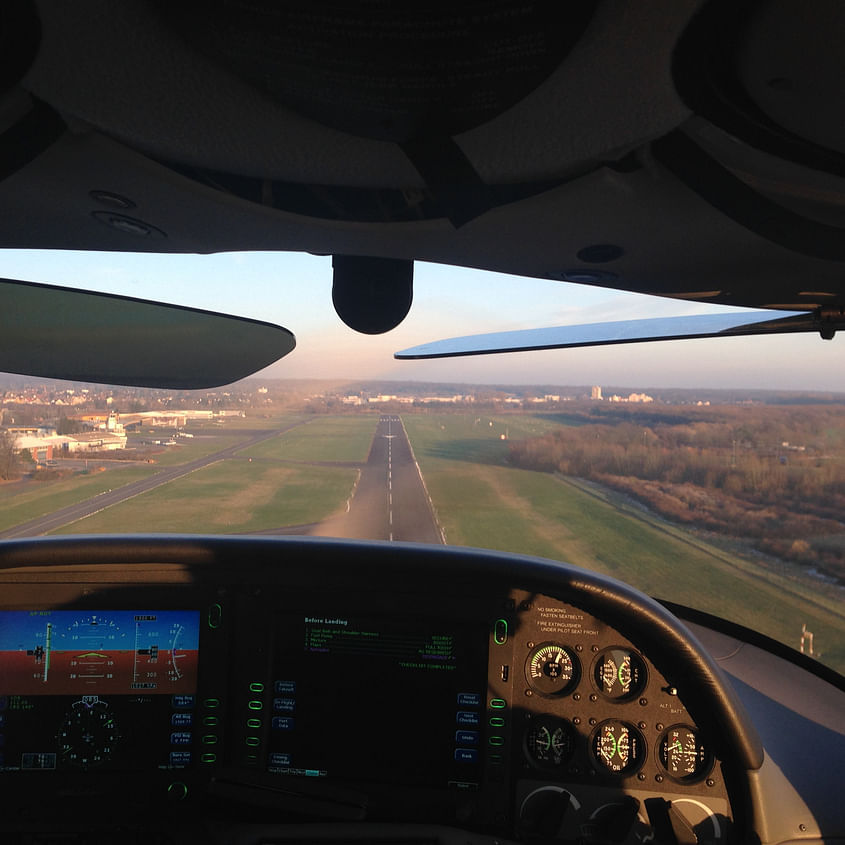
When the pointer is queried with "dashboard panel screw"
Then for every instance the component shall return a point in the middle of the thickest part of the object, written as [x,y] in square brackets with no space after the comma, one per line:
[643,701]
[640,776]
[659,778]
[802,827]
[711,782]
[576,696]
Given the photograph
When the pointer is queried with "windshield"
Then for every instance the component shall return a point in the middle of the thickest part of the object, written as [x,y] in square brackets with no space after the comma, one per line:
[710,473]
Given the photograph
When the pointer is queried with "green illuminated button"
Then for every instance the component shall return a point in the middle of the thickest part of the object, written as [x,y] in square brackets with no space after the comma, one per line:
[209,757]
[256,686]
[251,758]
[496,759]
[252,741]
[215,615]
[177,791]
[496,740]
[253,723]
[211,703]
[500,631]
[255,705]
[210,721]
[498,703]
[497,722]
[209,739]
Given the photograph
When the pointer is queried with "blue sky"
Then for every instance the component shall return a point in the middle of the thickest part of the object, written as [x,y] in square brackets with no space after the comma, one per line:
[294,290]
[23,629]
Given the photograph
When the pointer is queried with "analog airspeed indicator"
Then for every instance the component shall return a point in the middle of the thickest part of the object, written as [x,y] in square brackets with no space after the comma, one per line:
[552,669]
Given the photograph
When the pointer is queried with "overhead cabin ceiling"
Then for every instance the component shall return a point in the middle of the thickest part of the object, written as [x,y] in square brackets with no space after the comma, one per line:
[684,148]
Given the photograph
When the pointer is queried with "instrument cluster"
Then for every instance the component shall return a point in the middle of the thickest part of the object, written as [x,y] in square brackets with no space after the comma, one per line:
[506,710]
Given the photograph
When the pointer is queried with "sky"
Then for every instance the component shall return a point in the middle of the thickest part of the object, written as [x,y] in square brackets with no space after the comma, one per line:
[294,290]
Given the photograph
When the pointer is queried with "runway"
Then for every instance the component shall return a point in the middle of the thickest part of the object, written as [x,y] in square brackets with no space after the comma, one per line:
[390,501]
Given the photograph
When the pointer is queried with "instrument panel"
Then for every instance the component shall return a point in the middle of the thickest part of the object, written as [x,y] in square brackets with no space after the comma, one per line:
[501,710]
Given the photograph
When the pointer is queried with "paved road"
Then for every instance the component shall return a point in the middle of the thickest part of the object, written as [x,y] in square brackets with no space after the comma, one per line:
[72,513]
[390,501]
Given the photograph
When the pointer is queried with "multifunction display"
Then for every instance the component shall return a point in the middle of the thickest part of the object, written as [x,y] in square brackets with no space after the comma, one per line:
[75,686]
[380,699]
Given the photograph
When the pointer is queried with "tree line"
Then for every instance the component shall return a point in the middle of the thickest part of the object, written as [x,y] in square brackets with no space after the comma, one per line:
[775,476]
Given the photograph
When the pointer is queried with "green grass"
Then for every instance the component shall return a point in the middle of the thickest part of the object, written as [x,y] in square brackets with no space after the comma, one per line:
[341,438]
[483,502]
[252,421]
[44,497]
[231,496]
[476,438]
[187,450]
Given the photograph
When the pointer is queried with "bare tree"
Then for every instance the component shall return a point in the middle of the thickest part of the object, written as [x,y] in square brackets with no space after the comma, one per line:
[8,455]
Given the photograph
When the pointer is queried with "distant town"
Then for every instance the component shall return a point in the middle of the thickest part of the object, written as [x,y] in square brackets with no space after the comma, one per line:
[45,420]
[762,471]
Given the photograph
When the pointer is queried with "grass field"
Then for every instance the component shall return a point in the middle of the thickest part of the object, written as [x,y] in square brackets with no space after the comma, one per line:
[251,421]
[476,439]
[342,438]
[40,498]
[188,450]
[232,496]
[481,501]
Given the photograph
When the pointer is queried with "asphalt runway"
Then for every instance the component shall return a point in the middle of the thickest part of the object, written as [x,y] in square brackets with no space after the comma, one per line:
[72,513]
[390,501]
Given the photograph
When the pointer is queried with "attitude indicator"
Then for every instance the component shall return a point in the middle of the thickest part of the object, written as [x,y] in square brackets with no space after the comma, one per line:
[66,652]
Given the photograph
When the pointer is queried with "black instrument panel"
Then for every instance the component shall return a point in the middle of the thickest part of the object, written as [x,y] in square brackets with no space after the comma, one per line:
[440,699]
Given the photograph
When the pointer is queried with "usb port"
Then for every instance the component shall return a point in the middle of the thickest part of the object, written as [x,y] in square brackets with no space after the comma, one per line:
[506,670]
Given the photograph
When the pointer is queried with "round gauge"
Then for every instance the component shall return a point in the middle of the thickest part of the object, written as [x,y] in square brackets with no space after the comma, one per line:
[618,747]
[88,734]
[549,742]
[551,669]
[683,754]
[619,673]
